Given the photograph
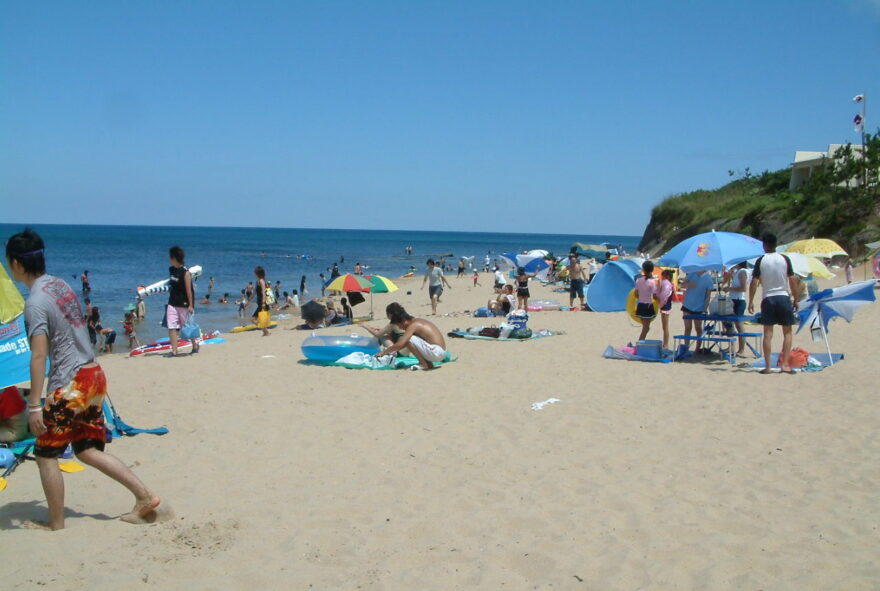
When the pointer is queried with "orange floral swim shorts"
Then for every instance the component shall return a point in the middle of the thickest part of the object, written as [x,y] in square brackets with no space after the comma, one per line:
[74,414]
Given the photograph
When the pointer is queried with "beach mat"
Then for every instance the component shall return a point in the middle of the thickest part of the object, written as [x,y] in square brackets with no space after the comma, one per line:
[463,334]
[612,353]
[401,362]
[822,360]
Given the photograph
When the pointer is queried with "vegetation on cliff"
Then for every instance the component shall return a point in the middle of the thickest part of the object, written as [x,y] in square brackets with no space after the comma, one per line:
[840,201]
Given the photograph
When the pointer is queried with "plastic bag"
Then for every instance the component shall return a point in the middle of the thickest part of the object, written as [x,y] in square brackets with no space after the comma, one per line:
[190,330]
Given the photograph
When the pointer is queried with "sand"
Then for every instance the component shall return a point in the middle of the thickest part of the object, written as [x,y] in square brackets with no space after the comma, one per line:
[643,476]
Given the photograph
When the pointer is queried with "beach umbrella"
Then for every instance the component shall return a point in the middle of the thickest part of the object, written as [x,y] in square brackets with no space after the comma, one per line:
[805,265]
[11,302]
[379,284]
[350,282]
[817,247]
[533,262]
[712,251]
[820,308]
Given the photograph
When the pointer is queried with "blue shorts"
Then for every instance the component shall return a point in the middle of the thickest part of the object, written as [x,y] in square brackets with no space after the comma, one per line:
[777,310]
[435,290]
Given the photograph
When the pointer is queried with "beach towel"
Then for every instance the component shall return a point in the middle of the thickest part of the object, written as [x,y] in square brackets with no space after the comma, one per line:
[360,360]
[463,334]
[815,362]
[612,353]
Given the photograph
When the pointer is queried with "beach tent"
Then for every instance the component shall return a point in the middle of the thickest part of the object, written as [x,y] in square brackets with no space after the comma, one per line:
[610,287]
[593,251]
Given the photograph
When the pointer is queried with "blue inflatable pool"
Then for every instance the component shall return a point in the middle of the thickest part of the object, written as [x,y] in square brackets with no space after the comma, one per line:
[329,348]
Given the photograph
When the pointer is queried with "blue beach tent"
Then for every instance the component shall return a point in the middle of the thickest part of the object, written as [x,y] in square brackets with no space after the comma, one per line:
[611,286]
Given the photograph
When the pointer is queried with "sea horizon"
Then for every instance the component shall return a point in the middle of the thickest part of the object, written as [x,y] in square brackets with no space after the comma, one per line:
[122,257]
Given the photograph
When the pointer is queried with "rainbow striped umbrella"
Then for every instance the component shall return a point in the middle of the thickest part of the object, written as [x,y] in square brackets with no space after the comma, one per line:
[381,284]
[349,282]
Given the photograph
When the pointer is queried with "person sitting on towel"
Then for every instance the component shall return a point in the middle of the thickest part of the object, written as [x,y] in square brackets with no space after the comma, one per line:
[421,338]
[505,303]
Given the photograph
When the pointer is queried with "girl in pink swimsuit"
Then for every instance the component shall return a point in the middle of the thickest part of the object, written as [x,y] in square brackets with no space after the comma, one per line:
[646,289]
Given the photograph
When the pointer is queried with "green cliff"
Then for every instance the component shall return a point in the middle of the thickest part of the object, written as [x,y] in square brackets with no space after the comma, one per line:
[830,205]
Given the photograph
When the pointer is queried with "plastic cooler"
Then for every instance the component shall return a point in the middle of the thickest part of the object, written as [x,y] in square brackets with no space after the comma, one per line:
[649,349]
[518,320]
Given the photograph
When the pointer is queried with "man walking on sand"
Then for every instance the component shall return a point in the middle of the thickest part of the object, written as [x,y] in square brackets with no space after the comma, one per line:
[778,304]
[73,410]
[576,276]
[420,337]
[436,280]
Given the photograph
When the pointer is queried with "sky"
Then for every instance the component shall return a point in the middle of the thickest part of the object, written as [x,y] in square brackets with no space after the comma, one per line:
[514,116]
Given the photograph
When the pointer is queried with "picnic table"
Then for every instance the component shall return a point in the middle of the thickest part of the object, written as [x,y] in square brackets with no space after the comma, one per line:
[715,336]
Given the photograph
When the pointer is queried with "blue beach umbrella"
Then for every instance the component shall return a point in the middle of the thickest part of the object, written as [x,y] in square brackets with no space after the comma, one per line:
[712,251]
[820,308]
[532,263]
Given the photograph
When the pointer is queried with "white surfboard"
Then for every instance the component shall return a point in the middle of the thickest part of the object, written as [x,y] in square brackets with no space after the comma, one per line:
[165,284]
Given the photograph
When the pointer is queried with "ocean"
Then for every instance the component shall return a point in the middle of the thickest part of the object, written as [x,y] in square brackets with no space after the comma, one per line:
[121,258]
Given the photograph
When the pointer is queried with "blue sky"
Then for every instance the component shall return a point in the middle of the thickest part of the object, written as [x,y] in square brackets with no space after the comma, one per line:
[569,117]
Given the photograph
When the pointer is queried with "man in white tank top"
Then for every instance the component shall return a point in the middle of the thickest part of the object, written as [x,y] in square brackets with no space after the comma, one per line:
[778,303]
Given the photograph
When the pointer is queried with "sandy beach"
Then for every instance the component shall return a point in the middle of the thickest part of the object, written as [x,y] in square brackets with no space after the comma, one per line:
[282,475]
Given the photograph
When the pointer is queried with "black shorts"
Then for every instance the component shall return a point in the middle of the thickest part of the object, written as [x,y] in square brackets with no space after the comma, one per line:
[576,289]
[435,290]
[522,292]
[667,306]
[688,311]
[645,310]
[777,310]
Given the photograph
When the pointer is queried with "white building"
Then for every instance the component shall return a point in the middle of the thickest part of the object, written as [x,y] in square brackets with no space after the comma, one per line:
[805,162]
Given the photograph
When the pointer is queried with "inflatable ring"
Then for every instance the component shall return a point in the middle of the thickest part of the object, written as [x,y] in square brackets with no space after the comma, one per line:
[631,300]
[329,348]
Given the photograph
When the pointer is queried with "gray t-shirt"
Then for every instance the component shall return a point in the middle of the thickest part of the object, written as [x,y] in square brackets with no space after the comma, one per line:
[52,309]
[435,275]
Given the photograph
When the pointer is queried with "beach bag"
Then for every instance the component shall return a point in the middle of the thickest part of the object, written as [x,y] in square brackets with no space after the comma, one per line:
[264,319]
[190,330]
[797,358]
[721,305]
[491,331]
[482,313]
[269,296]
[521,333]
